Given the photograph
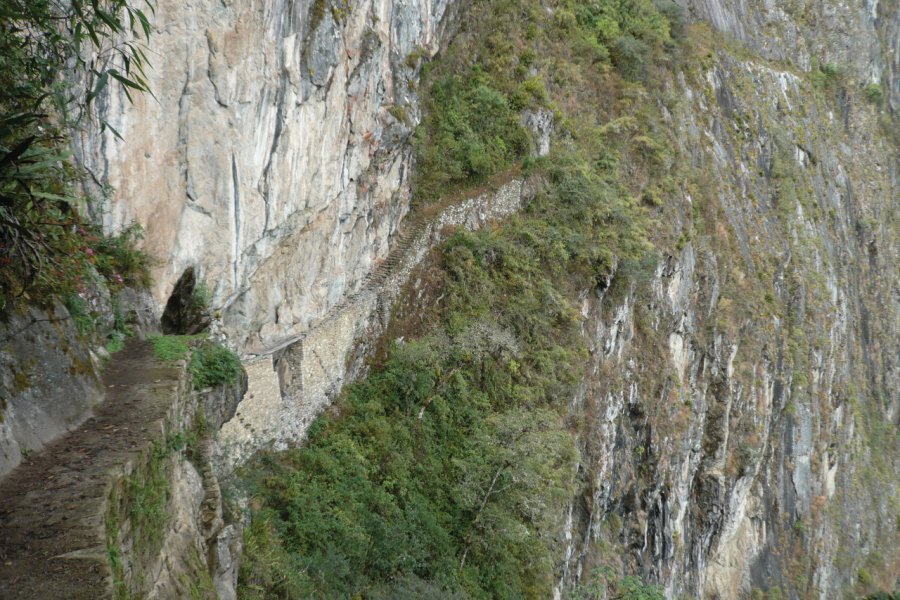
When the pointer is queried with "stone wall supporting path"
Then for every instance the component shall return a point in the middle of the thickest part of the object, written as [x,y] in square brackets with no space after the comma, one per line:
[291,382]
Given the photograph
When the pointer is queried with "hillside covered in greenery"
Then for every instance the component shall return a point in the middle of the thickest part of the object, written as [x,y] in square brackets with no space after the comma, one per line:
[672,372]
[446,471]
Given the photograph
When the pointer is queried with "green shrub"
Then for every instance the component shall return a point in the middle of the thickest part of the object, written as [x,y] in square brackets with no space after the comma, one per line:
[827,76]
[382,494]
[212,365]
[268,569]
[830,70]
[516,58]
[116,344]
[874,93]
[471,133]
[200,299]
[171,348]
[78,311]
[634,32]
[398,112]
[602,583]
[119,260]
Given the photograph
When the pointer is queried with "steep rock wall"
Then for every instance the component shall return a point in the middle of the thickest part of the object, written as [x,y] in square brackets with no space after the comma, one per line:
[49,382]
[861,37]
[51,362]
[273,153]
[740,414]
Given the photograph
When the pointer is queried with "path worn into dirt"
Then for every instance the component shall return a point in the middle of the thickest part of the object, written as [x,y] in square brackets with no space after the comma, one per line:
[52,533]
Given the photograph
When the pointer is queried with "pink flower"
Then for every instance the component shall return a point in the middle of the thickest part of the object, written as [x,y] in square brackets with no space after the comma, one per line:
[118,278]
[89,252]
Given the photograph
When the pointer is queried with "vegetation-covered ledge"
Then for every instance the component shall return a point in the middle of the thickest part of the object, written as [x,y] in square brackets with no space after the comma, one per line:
[445,472]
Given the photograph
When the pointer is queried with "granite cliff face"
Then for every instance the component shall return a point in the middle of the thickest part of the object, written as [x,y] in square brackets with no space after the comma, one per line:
[737,428]
[740,418]
[859,36]
[273,156]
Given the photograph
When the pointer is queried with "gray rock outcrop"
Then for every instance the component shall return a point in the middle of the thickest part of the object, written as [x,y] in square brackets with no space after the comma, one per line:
[48,381]
[735,413]
[269,154]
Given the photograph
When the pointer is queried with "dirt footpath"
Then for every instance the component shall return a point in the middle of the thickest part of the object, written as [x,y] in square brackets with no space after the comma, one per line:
[52,531]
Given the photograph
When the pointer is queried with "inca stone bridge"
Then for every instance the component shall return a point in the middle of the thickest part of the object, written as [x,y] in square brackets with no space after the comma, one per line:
[292,381]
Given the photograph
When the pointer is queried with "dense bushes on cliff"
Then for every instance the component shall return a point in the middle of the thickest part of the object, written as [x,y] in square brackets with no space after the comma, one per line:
[419,482]
[520,56]
[451,462]
[474,134]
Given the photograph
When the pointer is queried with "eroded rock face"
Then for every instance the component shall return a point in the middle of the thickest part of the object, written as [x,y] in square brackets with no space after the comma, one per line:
[269,156]
[734,414]
[49,381]
[735,407]
[861,38]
